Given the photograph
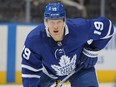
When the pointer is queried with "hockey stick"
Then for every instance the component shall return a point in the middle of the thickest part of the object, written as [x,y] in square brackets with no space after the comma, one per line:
[67,77]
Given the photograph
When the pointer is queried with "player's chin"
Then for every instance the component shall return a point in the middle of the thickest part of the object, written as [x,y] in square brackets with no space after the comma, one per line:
[56,33]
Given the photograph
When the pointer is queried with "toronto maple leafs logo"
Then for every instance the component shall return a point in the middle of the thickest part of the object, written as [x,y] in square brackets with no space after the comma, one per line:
[67,65]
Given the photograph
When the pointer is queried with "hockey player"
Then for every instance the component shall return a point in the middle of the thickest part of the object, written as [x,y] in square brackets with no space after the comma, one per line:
[55,48]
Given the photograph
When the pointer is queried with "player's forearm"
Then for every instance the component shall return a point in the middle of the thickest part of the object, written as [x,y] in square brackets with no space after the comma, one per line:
[98,44]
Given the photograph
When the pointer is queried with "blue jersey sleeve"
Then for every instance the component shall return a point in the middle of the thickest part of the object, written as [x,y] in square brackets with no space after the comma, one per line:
[101,31]
[101,28]
[31,65]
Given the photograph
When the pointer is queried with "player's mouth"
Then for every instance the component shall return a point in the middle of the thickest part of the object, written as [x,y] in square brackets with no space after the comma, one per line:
[56,31]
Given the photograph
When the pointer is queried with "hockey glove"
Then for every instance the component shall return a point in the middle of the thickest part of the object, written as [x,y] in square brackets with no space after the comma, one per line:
[89,58]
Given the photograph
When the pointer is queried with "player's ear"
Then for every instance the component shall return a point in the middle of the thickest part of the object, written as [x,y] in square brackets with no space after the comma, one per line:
[45,23]
[64,19]
[45,20]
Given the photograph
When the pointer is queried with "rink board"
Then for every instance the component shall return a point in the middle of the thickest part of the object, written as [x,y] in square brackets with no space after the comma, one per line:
[12,36]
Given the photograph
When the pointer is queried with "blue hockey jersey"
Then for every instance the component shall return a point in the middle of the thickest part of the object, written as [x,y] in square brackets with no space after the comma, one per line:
[41,54]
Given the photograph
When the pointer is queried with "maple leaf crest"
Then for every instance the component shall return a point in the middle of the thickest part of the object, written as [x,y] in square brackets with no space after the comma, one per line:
[66,65]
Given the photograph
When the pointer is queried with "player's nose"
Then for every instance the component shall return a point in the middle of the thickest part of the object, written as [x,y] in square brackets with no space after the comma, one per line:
[55,26]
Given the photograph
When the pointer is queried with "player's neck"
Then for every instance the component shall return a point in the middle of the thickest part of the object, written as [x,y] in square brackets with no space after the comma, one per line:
[58,39]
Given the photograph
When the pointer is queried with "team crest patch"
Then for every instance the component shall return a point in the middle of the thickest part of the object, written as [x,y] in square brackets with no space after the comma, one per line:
[66,65]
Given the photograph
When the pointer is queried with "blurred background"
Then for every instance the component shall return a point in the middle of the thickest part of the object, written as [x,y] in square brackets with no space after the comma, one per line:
[32,10]
[19,17]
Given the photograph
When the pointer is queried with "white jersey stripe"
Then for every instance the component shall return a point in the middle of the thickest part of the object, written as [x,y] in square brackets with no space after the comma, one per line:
[89,53]
[30,76]
[31,68]
[50,75]
[109,31]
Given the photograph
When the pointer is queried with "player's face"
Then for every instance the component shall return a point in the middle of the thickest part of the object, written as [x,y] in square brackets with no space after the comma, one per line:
[56,29]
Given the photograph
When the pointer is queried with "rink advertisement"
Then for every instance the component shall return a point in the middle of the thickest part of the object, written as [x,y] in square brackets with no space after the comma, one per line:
[12,37]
